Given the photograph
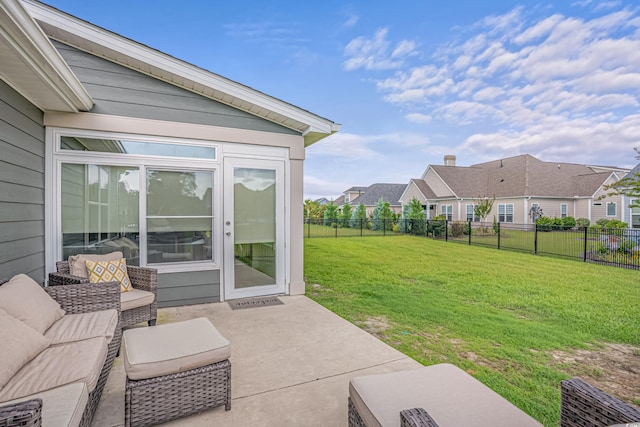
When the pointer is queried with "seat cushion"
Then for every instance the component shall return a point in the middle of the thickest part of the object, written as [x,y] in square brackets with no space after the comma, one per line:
[61,406]
[135,298]
[450,395]
[19,344]
[78,268]
[78,327]
[27,301]
[173,347]
[109,271]
[58,365]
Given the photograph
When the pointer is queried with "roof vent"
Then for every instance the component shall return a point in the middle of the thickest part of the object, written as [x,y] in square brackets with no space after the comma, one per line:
[449,160]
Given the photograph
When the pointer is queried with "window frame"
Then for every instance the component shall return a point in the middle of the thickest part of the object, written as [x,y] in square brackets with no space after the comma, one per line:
[59,157]
[447,211]
[564,210]
[504,215]
[474,217]
[615,209]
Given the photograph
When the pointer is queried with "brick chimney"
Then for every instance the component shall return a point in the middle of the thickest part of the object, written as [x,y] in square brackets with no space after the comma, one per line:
[449,160]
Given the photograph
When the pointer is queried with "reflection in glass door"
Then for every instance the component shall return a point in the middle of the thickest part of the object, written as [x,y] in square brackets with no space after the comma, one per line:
[254,247]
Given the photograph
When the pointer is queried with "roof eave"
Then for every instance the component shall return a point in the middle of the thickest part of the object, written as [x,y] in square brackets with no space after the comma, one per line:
[33,67]
[98,41]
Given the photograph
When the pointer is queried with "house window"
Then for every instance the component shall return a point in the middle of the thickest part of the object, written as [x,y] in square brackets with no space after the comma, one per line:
[563,210]
[611,208]
[505,212]
[152,208]
[471,213]
[447,212]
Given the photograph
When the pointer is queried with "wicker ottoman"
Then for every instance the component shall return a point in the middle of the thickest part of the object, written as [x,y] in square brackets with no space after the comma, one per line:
[174,370]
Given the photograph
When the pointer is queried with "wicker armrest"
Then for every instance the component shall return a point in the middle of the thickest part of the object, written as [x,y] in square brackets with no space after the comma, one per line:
[143,278]
[416,417]
[84,298]
[584,404]
[58,279]
[24,414]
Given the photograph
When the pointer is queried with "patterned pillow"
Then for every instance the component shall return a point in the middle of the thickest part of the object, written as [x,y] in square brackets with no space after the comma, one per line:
[109,271]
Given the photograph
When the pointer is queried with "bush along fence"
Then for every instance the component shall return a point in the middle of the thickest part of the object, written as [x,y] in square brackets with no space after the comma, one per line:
[612,246]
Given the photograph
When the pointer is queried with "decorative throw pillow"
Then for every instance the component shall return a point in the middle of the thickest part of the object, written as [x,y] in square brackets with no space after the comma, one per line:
[109,271]
[78,268]
[28,302]
[20,344]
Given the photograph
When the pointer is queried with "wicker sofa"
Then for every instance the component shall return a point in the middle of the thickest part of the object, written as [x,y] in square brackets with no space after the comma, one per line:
[455,398]
[63,376]
[138,306]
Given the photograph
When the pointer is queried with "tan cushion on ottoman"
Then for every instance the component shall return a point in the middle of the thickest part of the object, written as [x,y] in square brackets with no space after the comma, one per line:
[450,395]
[174,347]
[61,406]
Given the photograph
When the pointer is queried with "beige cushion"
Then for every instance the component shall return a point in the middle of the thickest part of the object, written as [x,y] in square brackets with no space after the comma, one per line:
[76,262]
[78,327]
[59,365]
[173,347]
[450,395]
[109,271]
[27,301]
[135,298]
[18,345]
[61,406]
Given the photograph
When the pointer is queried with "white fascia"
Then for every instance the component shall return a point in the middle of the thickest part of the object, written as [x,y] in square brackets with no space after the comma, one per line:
[27,40]
[131,54]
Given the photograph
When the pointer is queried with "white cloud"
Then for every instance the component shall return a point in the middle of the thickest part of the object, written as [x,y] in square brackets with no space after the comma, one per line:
[351,21]
[419,118]
[376,53]
[343,145]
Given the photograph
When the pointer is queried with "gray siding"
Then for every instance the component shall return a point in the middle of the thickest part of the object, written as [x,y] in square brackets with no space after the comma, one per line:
[22,149]
[120,91]
[195,287]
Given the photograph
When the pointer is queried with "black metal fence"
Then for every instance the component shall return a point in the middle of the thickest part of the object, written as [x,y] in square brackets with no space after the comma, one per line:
[618,247]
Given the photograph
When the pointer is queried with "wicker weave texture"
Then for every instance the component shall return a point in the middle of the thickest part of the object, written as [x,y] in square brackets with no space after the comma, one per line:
[354,417]
[585,405]
[416,417]
[23,414]
[142,278]
[161,399]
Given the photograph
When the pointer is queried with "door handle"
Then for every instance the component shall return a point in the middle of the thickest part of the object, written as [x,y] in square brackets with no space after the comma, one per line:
[228,233]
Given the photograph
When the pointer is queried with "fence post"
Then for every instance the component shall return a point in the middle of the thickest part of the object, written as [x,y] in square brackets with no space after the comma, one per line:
[446,230]
[361,224]
[499,233]
[309,228]
[384,226]
[584,255]
[335,224]
[469,229]
[535,240]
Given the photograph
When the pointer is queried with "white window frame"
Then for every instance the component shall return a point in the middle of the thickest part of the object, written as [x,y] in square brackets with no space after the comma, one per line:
[474,217]
[447,211]
[615,209]
[503,213]
[56,157]
[564,210]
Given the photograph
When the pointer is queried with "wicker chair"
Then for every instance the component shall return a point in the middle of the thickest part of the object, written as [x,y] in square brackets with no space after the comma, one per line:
[73,299]
[142,278]
[582,405]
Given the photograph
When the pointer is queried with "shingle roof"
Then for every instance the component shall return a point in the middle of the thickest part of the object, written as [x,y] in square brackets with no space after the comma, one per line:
[354,189]
[522,175]
[633,171]
[389,192]
[424,188]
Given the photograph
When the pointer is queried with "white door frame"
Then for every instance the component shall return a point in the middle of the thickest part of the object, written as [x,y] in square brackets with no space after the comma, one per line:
[230,164]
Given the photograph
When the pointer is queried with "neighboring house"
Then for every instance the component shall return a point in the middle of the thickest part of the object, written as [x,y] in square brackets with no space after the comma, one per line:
[631,215]
[369,196]
[520,185]
[108,144]
[351,194]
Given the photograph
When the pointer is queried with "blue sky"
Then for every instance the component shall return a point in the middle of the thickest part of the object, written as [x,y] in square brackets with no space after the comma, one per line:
[414,80]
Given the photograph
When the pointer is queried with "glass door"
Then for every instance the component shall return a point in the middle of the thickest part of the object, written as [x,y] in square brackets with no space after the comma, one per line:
[253,227]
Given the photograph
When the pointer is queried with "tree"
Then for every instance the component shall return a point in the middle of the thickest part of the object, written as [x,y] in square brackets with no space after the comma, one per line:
[482,207]
[628,186]
[331,214]
[414,218]
[345,215]
[382,216]
[359,216]
[312,209]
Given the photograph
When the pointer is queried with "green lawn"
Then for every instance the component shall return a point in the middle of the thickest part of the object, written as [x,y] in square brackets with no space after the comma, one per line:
[496,314]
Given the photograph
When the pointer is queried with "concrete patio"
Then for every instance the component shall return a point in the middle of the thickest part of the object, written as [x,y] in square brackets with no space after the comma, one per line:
[291,365]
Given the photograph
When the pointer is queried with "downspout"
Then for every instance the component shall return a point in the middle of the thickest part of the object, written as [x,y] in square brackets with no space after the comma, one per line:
[526,209]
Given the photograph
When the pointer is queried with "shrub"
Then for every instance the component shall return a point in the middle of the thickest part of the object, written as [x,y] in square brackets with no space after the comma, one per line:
[568,222]
[457,228]
[544,223]
[616,223]
[437,226]
[602,222]
[583,222]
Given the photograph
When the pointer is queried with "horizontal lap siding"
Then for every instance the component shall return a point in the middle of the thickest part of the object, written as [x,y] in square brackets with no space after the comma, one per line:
[120,91]
[194,287]
[22,149]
